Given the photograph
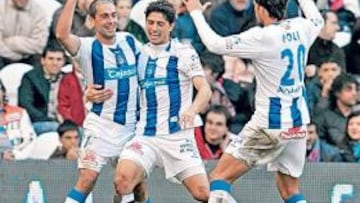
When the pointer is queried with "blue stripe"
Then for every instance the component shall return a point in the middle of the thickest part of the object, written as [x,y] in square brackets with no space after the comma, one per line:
[77,196]
[97,60]
[123,86]
[131,43]
[220,185]
[295,113]
[174,93]
[275,113]
[295,198]
[151,117]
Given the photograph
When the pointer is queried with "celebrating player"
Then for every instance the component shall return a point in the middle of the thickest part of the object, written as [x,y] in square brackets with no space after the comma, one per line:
[276,133]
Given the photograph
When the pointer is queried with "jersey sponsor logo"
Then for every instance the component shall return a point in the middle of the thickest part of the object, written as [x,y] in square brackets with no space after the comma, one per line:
[288,90]
[148,83]
[117,73]
[293,133]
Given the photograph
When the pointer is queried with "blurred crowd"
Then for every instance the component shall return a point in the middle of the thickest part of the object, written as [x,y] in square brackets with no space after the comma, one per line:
[42,89]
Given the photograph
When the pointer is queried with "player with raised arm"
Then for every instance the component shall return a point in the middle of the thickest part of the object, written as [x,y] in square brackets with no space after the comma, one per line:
[276,133]
[108,61]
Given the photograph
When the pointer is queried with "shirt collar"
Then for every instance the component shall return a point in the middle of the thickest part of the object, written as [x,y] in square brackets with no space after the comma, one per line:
[26,8]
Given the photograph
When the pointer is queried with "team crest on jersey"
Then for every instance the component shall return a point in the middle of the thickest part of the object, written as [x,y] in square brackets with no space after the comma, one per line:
[136,147]
[230,42]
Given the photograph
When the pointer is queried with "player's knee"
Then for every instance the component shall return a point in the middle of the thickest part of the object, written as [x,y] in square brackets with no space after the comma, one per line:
[123,184]
[201,193]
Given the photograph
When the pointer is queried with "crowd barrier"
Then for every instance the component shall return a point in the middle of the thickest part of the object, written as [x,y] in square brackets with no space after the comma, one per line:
[321,183]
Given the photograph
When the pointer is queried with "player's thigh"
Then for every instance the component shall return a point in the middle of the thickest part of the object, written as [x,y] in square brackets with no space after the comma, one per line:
[129,172]
[292,159]
[137,160]
[255,146]
[229,168]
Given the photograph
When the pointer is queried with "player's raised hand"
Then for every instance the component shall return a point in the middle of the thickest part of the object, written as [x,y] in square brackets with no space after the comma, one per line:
[95,94]
[192,5]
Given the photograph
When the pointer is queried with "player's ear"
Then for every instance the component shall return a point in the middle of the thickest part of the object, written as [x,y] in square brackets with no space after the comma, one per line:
[172,25]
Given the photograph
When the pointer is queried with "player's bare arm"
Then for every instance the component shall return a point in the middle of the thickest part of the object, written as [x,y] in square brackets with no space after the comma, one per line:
[63,28]
[200,102]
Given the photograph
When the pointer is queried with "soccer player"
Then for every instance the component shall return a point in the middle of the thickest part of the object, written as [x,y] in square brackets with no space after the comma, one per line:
[167,71]
[108,60]
[276,133]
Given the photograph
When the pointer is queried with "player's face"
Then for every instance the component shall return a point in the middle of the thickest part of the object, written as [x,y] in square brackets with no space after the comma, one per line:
[53,62]
[105,20]
[215,128]
[311,136]
[353,128]
[158,28]
[331,26]
[70,139]
[239,5]
[329,71]
[123,8]
[348,95]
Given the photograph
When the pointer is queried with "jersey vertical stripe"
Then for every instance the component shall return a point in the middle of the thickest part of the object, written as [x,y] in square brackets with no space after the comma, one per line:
[113,67]
[174,93]
[97,59]
[151,117]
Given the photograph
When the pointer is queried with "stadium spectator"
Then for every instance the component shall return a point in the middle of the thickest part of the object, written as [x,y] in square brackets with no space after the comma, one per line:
[16,130]
[239,85]
[318,150]
[39,89]
[214,136]
[123,8]
[185,30]
[353,53]
[81,24]
[332,122]
[23,32]
[319,88]
[71,104]
[324,46]
[352,139]
[69,135]
[232,17]
[214,68]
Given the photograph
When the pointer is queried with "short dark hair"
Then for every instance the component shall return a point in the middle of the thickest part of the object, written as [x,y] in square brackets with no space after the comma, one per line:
[339,83]
[215,62]
[276,8]
[164,7]
[220,109]
[93,5]
[66,126]
[53,46]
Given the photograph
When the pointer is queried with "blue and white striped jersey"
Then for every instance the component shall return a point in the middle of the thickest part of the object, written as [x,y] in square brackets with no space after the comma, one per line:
[165,81]
[114,67]
[278,53]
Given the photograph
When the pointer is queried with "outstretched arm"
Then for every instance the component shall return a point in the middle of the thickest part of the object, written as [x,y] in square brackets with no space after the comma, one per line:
[313,15]
[244,45]
[63,28]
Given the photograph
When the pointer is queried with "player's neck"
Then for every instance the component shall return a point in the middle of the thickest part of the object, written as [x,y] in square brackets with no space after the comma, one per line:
[104,40]
[156,49]
[269,21]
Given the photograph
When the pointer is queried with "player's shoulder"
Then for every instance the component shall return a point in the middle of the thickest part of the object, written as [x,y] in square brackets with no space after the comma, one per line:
[124,36]
[182,48]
